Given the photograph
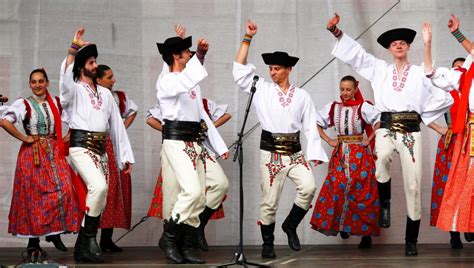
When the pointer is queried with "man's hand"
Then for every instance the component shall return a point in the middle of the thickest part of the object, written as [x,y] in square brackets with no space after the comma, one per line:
[127,169]
[427,33]
[453,23]
[225,156]
[180,31]
[202,46]
[78,37]
[250,28]
[333,22]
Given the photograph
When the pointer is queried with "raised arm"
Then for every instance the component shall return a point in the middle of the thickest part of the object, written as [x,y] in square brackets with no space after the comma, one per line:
[453,25]
[243,52]
[66,77]
[332,26]
[352,53]
[427,56]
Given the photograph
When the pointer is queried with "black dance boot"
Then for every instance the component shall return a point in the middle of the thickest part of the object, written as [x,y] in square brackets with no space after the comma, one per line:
[200,235]
[469,237]
[106,243]
[86,248]
[169,239]
[291,223]
[384,190]
[161,242]
[35,253]
[411,237]
[268,238]
[189,233]
[455,240]
[365,242]
[57,242]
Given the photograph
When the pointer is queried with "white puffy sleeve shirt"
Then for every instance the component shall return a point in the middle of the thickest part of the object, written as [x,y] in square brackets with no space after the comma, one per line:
[90,112]
[410,92]
[282,113]
[179,99]
[448,79]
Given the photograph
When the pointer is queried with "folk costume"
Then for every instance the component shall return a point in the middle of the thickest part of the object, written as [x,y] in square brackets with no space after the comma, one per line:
[282,118]
[182,155]
[404,102]
[43,200]
[348,201]
[92,114]
[456,212]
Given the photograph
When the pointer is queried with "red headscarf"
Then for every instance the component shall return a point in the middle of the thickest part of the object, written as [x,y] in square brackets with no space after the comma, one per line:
[57,123]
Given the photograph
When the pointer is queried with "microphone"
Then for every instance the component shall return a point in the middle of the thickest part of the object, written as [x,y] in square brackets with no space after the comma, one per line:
[255,79]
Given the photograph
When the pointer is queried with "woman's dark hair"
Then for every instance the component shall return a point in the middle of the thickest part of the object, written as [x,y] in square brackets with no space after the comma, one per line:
[42,71]
[101,69]
[458,59]
[350,78]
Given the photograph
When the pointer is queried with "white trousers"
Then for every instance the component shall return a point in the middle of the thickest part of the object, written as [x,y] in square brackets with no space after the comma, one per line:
[183,177]
[93,170]
[409,148]
[216,185]
[274,170]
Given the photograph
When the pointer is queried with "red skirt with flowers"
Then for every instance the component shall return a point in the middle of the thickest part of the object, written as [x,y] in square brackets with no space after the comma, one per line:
[117,213]
[348,200]
[43,200]
[440,175]
[156,206]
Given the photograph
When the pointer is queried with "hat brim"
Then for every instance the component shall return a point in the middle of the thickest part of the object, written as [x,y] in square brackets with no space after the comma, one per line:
[83,54]
[174,45]
[405,34]
[278,58]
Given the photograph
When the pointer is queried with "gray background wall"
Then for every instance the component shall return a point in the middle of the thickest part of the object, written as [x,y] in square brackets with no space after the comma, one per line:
[37,34]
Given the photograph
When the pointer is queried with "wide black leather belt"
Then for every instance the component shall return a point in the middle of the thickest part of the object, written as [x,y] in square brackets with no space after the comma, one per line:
[94,141]
[282,143]
[184,130]
[401,121]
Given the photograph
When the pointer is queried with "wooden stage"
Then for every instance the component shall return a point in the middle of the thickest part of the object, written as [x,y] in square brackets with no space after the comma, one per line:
[430,255]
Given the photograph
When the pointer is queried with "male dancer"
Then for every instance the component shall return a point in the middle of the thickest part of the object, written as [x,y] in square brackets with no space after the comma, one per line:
[179,97]
[405,97]
[283,110]
[92,113]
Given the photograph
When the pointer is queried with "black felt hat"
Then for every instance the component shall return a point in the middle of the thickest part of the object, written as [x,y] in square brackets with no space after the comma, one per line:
[405,34]
[82,55]
[279,58]
[174,45]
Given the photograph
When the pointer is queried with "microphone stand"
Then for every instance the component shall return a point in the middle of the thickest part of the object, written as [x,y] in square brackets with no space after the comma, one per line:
[239,256]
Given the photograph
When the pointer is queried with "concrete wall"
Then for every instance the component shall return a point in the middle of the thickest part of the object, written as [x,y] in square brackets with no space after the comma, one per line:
[37,34]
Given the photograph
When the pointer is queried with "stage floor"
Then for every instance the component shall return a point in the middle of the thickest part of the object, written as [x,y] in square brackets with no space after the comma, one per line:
[430,255]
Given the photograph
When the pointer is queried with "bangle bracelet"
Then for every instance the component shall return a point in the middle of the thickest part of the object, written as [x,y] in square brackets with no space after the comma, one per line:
[335,31]
[247,39]
[459,36]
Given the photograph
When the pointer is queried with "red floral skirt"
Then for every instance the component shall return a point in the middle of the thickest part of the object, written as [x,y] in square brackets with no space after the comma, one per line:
[43,200]
[117,212]
[348,200]
[440,175]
